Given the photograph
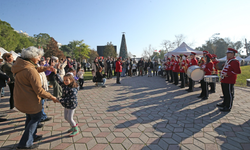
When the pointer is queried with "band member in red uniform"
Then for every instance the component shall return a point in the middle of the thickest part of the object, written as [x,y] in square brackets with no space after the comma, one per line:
[167,64]
[192,62]
[215,72]
[228,79]
[208,69]
[176,70]
[185,68]
[182,71]
[171,69]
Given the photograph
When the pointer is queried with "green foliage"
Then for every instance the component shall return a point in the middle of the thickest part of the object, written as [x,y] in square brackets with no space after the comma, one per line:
[76,49]
[245,74]
[9,38]
[92,55]
[109,50]
[24,42]
[41,40]
[217,46]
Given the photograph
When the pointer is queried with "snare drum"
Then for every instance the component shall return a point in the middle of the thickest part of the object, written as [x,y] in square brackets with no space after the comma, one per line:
[195,73]
[248,82]
[211,78]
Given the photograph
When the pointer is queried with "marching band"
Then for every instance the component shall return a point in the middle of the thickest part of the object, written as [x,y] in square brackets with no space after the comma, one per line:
[180,64]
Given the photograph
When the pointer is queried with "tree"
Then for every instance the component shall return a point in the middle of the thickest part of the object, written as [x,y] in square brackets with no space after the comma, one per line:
[52,49]
[167,45]
[92,55]
[24,42]
[41,40]
[216,46]
[179,39]
[109,50]
[81,51]
[148,52]
[130,55]
[9,38]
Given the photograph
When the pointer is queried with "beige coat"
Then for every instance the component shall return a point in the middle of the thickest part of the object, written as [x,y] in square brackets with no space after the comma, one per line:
[28,88]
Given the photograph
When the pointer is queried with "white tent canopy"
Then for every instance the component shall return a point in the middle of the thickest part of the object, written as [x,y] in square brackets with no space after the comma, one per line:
[2,50]
[183,49]
[247,59]
[239,58]
[223,59]
[14,54]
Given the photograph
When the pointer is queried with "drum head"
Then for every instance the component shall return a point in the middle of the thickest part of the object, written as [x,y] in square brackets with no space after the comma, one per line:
[197,75]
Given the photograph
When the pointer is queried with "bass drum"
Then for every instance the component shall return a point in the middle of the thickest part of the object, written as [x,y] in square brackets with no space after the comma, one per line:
[195,73]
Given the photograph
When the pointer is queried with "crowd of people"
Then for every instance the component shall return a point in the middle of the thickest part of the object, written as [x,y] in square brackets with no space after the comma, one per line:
[30,76]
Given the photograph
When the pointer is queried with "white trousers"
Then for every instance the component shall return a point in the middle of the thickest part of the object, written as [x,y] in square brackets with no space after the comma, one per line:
[68,116]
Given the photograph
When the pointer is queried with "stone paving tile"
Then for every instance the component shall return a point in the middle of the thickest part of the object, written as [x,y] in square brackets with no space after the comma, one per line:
[141,113]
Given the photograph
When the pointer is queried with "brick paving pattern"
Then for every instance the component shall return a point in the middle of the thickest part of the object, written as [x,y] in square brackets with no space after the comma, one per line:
[141,113]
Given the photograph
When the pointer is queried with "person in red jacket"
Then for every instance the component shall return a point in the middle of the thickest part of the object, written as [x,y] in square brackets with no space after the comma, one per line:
[215,72]
[182,71]
[228,79]
[171,69]
[176,70]
[167,67]
[185,68]
[191,63]
[208,69]
[118,70]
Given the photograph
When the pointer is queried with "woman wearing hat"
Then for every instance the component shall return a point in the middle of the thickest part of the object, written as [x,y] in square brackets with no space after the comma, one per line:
[208,69]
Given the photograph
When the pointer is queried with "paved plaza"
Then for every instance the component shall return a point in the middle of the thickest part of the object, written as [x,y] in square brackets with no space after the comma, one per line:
[141,113]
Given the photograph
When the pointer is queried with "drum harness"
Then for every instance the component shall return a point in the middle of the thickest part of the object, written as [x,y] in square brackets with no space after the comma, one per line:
[222,77]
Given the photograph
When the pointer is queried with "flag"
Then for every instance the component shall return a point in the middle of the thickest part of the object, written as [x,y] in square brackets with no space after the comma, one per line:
[159,51]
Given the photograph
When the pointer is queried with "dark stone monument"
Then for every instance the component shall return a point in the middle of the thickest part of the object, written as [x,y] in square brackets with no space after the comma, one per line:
[123,48]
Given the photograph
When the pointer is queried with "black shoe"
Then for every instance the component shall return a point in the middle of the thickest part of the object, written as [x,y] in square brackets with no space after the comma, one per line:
[200,96]
[47,119]
[204,98]
[31,147]
[221,96]
[39,125]
[2,120]
[81,87]
[118,83]
[181,86]
[189,90]
[220,105]
[211,91]
[38,138]
[225,109]
[2,95]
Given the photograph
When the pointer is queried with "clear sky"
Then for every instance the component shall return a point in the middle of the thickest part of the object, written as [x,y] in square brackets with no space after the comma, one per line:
[144,21]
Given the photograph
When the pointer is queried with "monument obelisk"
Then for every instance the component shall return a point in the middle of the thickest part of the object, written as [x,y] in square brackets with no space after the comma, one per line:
[123,48]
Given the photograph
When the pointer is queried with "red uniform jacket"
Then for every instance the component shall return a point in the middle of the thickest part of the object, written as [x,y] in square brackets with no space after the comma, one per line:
[193,62]
[171,64]
[215,69]
[166,65]
[232,68]
[209,67]
[118,65]
[176,67]
[182,66]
